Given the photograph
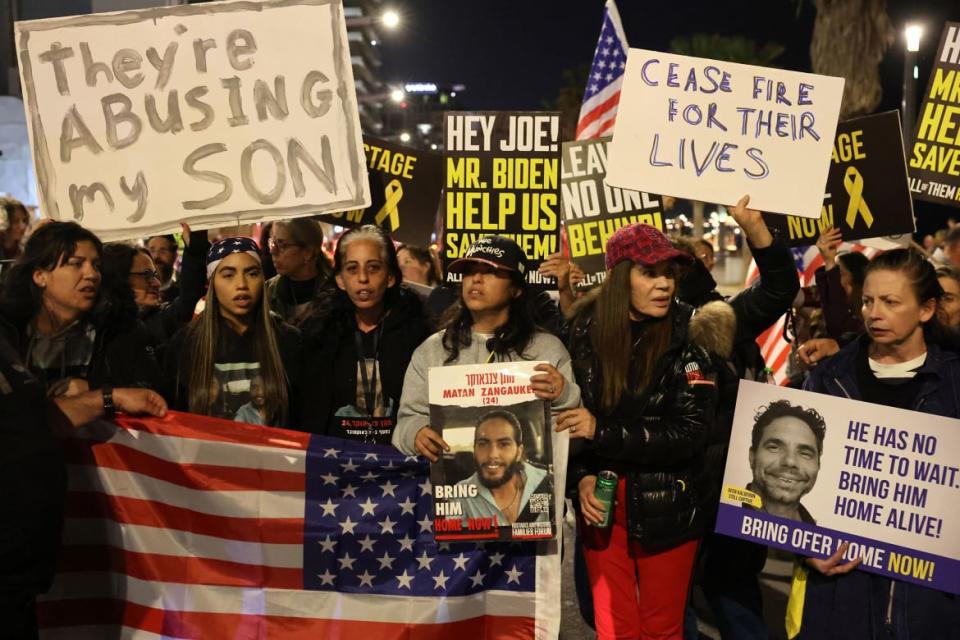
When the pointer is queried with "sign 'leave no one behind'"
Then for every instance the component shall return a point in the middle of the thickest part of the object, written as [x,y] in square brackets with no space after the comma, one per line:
[715,131]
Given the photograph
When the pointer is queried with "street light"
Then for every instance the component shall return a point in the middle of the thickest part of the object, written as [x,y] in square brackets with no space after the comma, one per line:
[397,95]
[913,34]
[390,19]
[404,137]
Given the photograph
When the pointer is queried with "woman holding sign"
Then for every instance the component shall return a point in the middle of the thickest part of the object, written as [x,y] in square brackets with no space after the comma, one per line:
[899,362]
[236,360]
[493,321]
[648,411]
[360,340]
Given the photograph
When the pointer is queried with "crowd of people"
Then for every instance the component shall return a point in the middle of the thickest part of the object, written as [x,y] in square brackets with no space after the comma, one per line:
[641,373]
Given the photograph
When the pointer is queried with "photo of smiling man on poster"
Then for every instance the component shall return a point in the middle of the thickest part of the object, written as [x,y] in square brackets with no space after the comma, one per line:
[785,449]
[505,481]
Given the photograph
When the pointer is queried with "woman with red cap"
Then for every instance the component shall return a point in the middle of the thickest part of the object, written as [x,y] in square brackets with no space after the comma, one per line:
[646,416]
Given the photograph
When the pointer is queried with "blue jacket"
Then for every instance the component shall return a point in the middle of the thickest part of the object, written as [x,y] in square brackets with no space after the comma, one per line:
[857,606]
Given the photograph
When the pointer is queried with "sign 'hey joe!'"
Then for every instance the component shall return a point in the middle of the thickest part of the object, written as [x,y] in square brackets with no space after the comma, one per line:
[714,131]
[215,113]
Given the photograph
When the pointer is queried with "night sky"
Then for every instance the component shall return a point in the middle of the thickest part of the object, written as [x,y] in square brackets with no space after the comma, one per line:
[512,54]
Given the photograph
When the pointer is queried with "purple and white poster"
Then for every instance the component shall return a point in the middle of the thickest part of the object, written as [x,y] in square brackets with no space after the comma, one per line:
[807,472]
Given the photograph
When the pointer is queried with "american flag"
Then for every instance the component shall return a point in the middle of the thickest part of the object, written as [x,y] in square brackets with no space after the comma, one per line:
[602,94]
[193,527]
[773,345]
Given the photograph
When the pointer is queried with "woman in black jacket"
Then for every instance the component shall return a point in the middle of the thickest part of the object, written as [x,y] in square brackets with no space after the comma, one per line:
[646,416]
[236,360]
[129,273]
[70,337]
[360,341]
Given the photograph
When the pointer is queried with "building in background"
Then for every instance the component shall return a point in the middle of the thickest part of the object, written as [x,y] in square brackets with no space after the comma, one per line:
[414,114]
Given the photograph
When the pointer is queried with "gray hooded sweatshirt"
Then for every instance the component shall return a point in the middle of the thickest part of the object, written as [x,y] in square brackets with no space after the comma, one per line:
[414,411]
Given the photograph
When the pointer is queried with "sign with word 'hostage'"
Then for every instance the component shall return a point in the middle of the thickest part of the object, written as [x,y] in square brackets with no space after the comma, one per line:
[216,113]
[935,157]
[867,191]
[716,131]
[405,185]
[502,177]
[593,210]
[807,472]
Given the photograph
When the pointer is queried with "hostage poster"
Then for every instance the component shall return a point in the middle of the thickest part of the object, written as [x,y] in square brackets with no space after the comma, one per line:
[867,193]
[497,480]
[216,114]
[593,210]
[806,472]
[405,186]
[935,156]
[501,177]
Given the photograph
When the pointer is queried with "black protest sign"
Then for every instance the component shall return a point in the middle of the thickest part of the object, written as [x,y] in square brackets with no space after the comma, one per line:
[593,210]
[867,194]
[405,188]
[935,154]
[501,177]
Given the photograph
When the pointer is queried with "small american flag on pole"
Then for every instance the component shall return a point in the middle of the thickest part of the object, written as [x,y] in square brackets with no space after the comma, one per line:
[602,93]
[192,527]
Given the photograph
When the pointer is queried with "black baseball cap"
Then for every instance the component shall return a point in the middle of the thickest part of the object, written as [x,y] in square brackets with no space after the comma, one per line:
[497,251]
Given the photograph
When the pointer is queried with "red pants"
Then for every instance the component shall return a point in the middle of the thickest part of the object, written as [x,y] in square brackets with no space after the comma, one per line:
[637,595]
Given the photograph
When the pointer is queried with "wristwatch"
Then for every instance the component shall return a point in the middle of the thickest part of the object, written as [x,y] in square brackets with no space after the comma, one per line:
[108,408]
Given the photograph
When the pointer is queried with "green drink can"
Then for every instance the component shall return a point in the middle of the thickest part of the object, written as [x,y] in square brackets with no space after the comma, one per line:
[605,491]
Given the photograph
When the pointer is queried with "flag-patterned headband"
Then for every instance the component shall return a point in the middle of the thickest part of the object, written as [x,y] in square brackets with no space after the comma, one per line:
[226,247]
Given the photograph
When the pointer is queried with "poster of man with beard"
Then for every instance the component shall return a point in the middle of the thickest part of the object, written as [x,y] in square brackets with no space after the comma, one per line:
[817,475]
[496,481]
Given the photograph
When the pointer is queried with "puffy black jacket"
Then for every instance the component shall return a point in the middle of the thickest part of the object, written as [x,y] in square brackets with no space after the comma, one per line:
[163,321]
[660,447]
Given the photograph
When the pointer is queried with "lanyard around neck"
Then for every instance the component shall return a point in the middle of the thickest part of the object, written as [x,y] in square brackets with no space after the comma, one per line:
[369,384]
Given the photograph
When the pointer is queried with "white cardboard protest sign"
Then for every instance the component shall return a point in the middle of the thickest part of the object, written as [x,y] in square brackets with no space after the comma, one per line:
[214,113]
[886,481]
[716,131]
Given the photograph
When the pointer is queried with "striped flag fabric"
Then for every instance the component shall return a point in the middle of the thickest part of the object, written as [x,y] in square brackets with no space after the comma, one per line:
[193,527]
[773,344]
[602,93]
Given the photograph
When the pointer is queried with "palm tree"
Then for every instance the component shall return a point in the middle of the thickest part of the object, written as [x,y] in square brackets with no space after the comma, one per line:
[849,40]
[729,48]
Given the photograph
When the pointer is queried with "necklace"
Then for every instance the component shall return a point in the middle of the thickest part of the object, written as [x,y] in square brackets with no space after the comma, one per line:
[516,497]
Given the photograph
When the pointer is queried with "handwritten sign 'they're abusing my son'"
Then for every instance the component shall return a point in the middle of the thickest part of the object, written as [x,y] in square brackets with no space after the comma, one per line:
[214,113]
[715,131]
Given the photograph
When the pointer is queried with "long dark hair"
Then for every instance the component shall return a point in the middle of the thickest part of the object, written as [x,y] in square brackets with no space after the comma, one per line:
[856,265]
[922,276]
[608,310]
[116,294]
[514,335]
[203,339]
[49,247]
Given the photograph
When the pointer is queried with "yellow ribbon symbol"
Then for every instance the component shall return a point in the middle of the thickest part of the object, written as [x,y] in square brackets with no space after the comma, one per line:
[853,183]
[393,193]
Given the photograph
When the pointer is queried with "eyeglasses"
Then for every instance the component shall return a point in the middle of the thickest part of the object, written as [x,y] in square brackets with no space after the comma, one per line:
[280,245]
[146,274]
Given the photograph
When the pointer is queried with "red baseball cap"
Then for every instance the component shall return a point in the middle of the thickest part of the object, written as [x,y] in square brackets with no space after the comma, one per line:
[643,244]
